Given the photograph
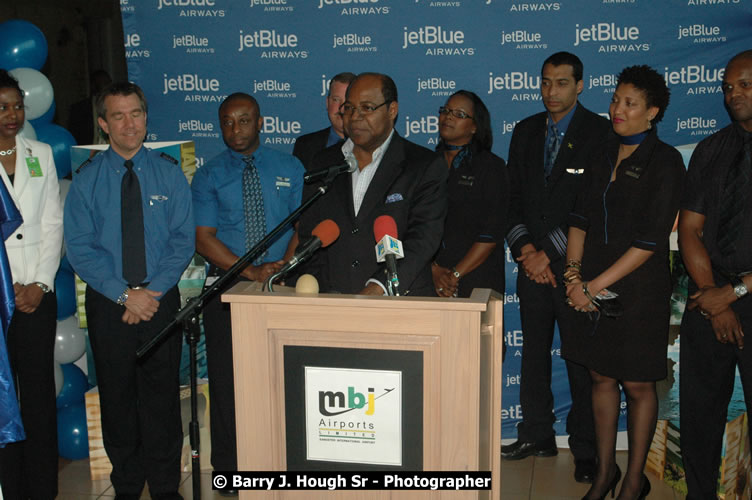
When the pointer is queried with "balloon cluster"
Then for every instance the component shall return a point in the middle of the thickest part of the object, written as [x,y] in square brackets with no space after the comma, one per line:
[23,52]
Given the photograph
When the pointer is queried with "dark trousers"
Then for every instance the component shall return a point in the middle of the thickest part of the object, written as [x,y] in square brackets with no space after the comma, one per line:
[139,399]
[540,307]
[28,469]
[705,387]
[218,332]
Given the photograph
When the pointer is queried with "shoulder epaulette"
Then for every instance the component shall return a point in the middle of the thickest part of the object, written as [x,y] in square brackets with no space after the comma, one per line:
[168,158]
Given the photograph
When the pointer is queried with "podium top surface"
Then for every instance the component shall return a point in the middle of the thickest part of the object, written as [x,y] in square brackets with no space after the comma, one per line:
[247,293]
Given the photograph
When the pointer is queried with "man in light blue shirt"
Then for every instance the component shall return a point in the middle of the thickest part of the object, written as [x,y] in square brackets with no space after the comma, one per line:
[224,216]
[139,400]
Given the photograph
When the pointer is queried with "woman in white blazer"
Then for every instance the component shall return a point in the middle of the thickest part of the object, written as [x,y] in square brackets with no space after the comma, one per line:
[28,469]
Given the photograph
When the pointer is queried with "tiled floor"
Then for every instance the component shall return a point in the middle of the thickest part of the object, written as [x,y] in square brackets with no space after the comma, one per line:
[531,478]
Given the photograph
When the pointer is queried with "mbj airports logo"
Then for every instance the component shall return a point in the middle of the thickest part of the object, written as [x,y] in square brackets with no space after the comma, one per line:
[194,87]
[610,37]
[274,89]
[354,42]
[521,83]
[699,79]
[192,8]
[333,404]
[133,48]
[278,131]
[437,40]
[523,39]
[273,44]
[355,7]
[437,86]
[192,44]
[273,5]
[701,33]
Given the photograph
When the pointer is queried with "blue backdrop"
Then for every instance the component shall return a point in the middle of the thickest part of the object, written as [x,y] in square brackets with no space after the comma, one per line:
[188,55]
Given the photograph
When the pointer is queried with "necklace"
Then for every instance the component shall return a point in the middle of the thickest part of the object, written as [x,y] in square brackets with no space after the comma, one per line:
[8,152]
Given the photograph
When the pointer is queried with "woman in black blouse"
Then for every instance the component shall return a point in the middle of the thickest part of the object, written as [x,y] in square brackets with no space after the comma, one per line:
[618,242]
[472,250]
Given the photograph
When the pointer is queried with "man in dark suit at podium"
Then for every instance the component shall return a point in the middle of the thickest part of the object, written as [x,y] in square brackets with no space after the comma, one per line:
[547,157]
[306,146]
[394,177]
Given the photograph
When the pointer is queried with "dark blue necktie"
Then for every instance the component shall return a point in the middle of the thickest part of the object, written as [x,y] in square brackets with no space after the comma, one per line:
[552,149]
[132,226]
[253,207]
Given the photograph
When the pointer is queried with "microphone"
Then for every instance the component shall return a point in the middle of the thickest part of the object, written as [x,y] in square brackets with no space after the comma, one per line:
[330,173]
[388,249]
[322,235]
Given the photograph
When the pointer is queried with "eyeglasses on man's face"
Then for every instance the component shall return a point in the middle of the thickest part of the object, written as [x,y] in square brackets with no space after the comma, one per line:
[457,113]
[348,109]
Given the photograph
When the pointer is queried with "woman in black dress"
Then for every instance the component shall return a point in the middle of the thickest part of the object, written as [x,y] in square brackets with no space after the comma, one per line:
[619,243]
[478,192]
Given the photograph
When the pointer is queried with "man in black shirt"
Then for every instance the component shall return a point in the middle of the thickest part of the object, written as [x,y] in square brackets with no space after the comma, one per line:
[715,238]
[547,157]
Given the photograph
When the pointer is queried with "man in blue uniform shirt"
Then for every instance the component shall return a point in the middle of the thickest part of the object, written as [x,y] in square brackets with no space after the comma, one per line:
[129,235]
[239,196]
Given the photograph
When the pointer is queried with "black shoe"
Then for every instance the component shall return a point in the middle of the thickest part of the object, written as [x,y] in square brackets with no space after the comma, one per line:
[228,493]
[645,488]
[611,486]
[584,471]
[520,449]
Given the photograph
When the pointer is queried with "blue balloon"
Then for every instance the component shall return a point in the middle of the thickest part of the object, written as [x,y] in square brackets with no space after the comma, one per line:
[65,265]
[22,45]
[65,290]
[72,433]
[60,140]
[75,385]
[46,117]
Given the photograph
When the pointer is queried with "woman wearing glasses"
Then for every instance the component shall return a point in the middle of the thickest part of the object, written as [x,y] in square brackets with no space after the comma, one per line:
[478,192]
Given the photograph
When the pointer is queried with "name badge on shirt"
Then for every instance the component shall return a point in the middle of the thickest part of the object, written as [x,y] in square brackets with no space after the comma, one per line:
[283,182]
[634,171]
[466,180]
[35,169]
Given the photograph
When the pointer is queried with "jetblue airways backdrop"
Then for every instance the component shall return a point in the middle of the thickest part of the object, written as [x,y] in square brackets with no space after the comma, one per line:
[189,54]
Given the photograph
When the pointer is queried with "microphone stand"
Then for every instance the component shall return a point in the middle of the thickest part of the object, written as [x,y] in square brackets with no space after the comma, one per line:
[188,318]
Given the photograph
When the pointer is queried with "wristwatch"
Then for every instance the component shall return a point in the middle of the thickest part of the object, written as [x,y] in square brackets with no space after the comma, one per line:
[123,297]
[44,287]
[740,289]
[456,273]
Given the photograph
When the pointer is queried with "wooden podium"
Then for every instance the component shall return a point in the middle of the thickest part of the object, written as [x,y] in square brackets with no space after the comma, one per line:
[458,340]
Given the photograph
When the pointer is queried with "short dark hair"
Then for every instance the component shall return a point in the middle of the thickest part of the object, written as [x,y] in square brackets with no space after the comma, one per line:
[745,54]
[122,89]
[7,81]
[651,84]
[241,96]
[566,58]
[483,136]
[388,88]
[345,77]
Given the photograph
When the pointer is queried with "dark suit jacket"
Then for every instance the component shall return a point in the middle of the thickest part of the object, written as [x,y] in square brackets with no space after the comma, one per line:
[543,208]
[410,185]
[306,146]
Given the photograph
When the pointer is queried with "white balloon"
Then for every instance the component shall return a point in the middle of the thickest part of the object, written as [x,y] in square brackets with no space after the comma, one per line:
[28,131]
[58,378]
[70,341]
[38,93]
